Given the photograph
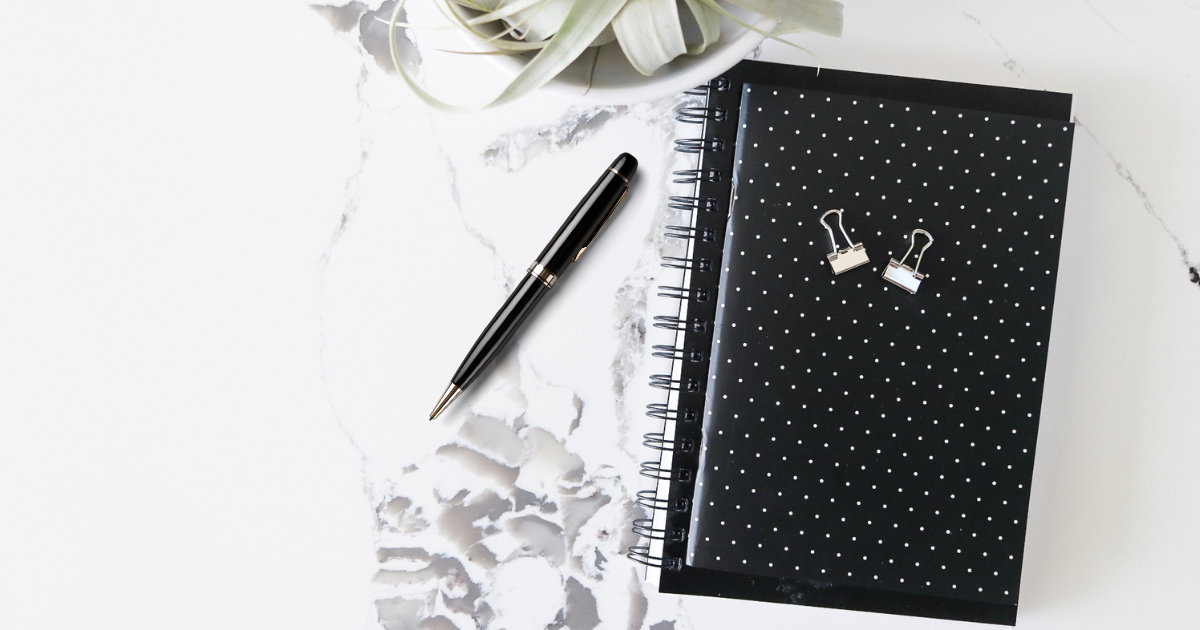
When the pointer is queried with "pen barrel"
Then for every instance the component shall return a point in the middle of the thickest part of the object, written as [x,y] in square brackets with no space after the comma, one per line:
[585,221]
[498,332]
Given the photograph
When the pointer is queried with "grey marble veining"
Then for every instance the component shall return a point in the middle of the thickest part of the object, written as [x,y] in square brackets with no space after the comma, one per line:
[515,512]
[1123,172]
[509,524]
[1019,71]
[240,259]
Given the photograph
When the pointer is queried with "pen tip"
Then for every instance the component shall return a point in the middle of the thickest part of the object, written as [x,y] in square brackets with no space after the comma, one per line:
[448,396]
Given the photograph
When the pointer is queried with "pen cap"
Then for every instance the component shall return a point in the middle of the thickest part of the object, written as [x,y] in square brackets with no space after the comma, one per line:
[586,220]
[625,165]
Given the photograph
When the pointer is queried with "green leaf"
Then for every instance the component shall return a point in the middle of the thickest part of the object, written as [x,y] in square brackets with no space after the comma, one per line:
[783,28]
[750,27]
[605,36]
[820,16]
[541,22]
[650,34]
[501,10]
[496,39]
[709,22]
[648,31]
[585,22]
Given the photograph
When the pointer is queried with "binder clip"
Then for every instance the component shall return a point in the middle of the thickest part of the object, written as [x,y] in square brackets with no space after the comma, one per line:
[903,276]
[843,260]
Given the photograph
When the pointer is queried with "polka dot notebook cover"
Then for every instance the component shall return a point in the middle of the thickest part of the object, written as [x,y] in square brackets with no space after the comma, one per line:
[863,441]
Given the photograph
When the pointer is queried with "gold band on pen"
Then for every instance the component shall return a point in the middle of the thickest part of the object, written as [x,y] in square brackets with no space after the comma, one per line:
[543,274]
[618,174]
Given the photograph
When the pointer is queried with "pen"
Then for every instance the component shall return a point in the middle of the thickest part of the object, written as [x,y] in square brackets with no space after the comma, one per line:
[568,244]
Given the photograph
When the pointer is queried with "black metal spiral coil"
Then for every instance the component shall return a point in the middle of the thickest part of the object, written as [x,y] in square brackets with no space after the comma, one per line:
[649,500]
[679,501]
[659,442]
[681,293]
[691,176]
[663,351]
[645,528]
[664,381]
[683,202]
[641,553]
[697,145]
[654,471]
[701,114]
[670,322]
[663,412]
[682,231]
[720,84]
[674,262]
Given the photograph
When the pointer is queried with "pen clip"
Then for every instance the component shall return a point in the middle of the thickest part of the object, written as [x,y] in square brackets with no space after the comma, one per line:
[606,219]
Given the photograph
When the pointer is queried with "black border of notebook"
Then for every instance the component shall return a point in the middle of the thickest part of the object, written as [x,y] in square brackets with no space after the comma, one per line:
[689,580]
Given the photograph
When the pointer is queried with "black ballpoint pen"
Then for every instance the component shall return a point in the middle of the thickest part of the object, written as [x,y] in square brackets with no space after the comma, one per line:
[572,239]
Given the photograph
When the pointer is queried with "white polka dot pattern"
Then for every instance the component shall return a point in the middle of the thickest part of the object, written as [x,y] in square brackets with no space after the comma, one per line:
[855,434]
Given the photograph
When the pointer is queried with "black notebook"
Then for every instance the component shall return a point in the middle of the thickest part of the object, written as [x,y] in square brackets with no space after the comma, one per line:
[861,439]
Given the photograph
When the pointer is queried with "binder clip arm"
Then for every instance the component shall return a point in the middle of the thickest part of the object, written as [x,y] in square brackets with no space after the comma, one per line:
[843,260]
[903,276]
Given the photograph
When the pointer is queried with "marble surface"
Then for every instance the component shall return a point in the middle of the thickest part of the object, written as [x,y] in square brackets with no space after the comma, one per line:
[240,261]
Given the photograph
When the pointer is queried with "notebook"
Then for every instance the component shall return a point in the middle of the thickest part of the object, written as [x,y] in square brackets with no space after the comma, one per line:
[861,439]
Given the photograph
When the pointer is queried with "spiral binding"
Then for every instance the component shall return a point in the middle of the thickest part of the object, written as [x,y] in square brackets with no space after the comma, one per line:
[683,231]
[678,354]
[662,412]
[670,322]
[659,442]
[645,527]
[700,114]
[648,500]
[700,264]
[679,202]
[664,381]
[696,145]
[641,553]
[674,473]
[720,84]
[692,176]
[654,471]
[683,293]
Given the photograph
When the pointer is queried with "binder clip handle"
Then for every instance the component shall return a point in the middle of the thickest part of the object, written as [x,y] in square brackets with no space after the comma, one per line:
[841,226]
[920,254]
[853,255]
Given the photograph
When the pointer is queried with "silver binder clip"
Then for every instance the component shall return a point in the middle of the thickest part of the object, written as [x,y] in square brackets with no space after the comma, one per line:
[843,260]
[903,276]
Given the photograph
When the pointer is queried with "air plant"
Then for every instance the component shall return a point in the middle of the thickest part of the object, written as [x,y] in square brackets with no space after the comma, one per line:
[649,32]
